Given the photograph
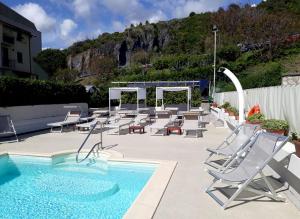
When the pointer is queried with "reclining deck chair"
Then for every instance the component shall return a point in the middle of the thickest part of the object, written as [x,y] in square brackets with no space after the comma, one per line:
[191,122]
[235,142]
[116,122]
[7,128]
[99,122]
[162,120]
[261,150]
[72,118]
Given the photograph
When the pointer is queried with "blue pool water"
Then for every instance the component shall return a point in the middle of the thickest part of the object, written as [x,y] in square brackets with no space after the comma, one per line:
[32,187]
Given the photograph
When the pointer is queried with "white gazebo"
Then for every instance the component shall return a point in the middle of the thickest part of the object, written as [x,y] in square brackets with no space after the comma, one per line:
[160,94]
[115,93]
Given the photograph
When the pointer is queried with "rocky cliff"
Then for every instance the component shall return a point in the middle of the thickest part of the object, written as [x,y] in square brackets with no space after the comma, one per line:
[118,48]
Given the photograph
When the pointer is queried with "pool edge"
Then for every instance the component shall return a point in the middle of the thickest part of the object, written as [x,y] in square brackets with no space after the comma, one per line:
[146,203]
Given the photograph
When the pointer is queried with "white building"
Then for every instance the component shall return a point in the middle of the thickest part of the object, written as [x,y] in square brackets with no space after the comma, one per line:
[20,43]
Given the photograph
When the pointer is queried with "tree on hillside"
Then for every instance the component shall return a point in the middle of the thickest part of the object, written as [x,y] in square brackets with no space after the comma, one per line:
[65,75]
[51,60]
[104,67]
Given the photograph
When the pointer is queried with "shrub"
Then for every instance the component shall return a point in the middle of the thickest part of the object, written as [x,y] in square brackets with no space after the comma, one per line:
[229,53]
[233,110]
[51,60]
[294,136]
[226,105]
[275,124]
[256,118]
[20,92]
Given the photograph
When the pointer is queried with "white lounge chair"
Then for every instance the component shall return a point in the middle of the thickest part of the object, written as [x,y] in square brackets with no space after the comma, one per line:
[259,153]
[7,128]
[118,123]
[160,125]
[191,122]
[88,125]
[72,118]
[234,143]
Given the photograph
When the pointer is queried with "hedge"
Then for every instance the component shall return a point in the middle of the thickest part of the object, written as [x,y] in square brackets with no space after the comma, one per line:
[21,92]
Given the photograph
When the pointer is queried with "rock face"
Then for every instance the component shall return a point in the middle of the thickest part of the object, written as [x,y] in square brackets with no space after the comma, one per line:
[148,38]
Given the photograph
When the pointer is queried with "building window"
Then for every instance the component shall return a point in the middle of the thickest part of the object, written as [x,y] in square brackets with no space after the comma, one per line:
[20,37]
[20,57]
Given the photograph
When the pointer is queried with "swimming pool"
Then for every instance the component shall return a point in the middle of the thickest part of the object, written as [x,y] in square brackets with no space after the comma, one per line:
[35,187]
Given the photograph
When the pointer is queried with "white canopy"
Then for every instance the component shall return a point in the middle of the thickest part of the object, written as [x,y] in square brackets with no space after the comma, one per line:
[160,93]
[116,92]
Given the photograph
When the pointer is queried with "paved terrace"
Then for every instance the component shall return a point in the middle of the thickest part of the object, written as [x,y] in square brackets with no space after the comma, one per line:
[184,196]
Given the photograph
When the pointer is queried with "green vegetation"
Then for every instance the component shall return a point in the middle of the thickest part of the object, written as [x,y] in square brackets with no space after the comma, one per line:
[275,124]
[226,105]
[233,110]
[294,136]
[51,60]
[256,118]
[21,92]
[253,42]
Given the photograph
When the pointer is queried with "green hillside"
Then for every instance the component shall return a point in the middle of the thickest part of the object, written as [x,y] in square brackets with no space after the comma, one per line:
[258,44]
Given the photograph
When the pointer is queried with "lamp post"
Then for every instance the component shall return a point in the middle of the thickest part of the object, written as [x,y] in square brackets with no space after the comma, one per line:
[215,30]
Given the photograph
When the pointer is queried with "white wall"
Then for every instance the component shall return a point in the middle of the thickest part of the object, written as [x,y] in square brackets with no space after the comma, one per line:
[280,102]
[33,118]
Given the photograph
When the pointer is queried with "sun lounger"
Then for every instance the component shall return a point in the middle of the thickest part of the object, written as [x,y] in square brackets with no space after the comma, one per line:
[235,142]
[72,118]
[97,121]
[160,125]
[259,153]
[192,122]
[118,123]
[7,128]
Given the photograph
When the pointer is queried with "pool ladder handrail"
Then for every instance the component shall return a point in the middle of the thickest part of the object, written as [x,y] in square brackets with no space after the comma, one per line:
[94,146]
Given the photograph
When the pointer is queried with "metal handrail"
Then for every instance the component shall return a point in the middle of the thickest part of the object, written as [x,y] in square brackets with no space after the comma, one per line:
[92,149]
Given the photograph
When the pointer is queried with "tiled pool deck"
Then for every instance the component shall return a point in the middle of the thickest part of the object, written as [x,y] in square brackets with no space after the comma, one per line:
[184,196]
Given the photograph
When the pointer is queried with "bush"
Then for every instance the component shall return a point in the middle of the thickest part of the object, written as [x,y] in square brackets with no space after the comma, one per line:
[256,118]
[51,60]
[229,53]
[21,92]
[275,124]
[233,110]
[226,105]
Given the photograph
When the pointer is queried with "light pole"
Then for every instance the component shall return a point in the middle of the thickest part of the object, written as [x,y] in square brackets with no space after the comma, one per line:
[215,30]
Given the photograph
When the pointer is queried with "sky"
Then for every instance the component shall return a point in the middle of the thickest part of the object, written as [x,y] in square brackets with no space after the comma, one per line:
[63,22]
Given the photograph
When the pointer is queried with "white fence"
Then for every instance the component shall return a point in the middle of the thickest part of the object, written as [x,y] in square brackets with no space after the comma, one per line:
[280,102]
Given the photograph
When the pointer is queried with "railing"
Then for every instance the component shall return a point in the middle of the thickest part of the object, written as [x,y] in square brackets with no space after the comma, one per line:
[92,150]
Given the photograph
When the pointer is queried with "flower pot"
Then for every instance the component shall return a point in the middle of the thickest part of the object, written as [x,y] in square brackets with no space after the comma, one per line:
[231,113]
[279,132]
[297,147]
[255,122]
[214,105]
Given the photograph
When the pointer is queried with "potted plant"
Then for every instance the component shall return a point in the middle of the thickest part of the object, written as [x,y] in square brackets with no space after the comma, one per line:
[276,126]
[225,106]
[232,111]
[256,118]
[296,141]
[214,104]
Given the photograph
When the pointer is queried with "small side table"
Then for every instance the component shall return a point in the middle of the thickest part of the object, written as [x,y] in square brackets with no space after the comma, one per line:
[136,127]
[174,128]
